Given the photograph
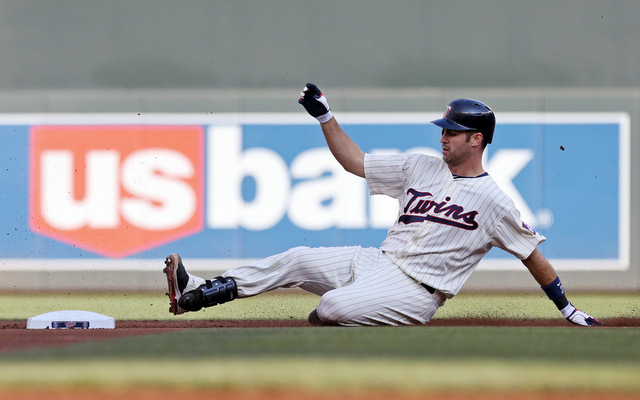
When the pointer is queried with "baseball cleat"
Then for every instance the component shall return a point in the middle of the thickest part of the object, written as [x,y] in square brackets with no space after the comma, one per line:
[177,280]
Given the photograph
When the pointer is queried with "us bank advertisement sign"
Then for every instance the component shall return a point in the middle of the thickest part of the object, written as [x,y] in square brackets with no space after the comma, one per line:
[123,191]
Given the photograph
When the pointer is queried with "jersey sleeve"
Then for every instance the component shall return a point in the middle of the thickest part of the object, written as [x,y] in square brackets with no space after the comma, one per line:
[515,237]
[386,174]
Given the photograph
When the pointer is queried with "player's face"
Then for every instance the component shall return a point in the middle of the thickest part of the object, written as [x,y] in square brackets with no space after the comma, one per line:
[456,146]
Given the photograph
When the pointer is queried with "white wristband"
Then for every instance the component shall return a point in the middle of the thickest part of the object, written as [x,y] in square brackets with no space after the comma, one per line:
[325,117]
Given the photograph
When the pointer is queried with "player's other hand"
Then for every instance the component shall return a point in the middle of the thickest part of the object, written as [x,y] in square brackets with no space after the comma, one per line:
[315,103]
[578,317]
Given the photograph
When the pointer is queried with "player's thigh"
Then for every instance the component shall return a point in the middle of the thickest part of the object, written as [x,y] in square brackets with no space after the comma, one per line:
[385,296]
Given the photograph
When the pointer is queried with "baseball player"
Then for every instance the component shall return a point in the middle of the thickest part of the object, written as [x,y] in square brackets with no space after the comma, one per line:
[450,214]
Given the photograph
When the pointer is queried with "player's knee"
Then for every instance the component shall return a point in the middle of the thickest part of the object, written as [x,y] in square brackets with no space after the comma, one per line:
[332,311]
[321,317]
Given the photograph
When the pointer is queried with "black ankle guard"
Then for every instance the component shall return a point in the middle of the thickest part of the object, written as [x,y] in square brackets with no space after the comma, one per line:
[218,291]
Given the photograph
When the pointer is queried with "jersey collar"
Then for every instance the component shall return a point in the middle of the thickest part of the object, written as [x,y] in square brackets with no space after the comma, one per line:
[469,177]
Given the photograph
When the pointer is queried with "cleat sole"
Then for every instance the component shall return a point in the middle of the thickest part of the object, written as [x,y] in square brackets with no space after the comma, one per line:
[169,271]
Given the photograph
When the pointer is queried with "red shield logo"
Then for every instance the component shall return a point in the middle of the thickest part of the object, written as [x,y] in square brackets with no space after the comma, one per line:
[116,190]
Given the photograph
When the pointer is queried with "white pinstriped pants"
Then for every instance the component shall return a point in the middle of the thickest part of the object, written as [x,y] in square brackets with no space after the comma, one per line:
[359,286]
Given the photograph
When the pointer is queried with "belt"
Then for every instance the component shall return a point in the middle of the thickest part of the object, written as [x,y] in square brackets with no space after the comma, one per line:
[429,288]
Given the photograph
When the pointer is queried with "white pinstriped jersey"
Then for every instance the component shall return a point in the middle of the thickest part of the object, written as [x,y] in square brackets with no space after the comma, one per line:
[445,224]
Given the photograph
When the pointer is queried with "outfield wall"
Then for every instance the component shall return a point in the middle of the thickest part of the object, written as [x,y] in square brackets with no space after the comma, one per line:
[99,186]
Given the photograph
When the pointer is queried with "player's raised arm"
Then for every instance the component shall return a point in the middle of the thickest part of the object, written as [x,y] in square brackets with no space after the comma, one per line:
[345,150]
[546,276]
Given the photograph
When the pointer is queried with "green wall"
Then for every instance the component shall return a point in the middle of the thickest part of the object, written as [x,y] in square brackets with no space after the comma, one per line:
[78,44]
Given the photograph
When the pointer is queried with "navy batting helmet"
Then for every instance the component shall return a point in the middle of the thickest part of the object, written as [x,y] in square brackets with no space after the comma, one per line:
[468,115]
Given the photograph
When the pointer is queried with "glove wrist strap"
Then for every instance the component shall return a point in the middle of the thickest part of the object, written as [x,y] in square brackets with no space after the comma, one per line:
[325,117]
[568,310]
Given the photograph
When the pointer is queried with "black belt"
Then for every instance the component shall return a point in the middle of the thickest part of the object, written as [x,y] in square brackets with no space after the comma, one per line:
[429,288]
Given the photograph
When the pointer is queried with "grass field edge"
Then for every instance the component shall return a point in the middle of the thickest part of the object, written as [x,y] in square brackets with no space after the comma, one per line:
[320,373]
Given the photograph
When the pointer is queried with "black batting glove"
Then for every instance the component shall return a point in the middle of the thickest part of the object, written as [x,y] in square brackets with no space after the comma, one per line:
[315,103]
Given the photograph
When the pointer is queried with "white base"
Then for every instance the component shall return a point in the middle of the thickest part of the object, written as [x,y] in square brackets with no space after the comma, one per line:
[71,319]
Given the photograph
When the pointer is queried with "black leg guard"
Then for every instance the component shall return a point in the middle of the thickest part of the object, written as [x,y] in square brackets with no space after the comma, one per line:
[217,291]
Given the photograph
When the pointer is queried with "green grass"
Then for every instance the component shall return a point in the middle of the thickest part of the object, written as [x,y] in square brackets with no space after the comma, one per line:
[441,343]
[296,305]
[403,359]
[330,374]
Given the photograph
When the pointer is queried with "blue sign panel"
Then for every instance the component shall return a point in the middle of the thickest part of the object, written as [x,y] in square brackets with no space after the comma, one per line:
[248,186]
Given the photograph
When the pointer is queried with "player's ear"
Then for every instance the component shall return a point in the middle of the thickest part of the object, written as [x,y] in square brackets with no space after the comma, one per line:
[476,139]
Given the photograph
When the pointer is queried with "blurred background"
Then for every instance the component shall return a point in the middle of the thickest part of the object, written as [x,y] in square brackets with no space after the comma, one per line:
[168,44]
[81,52]
[241,56]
